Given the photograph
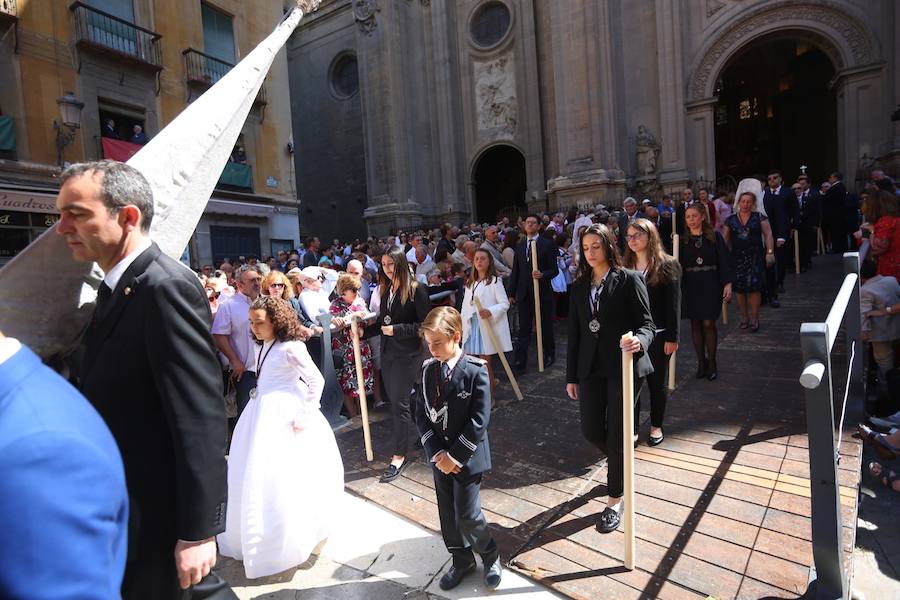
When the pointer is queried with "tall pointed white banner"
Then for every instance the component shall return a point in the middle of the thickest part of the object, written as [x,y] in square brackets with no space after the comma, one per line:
[46,298]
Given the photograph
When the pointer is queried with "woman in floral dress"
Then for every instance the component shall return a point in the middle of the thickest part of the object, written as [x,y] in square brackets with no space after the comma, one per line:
[347,302]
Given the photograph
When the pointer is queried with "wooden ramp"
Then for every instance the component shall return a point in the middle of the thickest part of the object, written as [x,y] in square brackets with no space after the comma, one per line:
[722,506]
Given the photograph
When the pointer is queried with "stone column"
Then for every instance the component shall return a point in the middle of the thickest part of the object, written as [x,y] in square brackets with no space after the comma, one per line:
[861,124]
[701,144]
[584,88]
[673,157]
[381,45]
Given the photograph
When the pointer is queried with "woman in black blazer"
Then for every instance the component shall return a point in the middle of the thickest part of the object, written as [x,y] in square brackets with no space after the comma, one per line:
[404,305]
[662,275]
[606,301]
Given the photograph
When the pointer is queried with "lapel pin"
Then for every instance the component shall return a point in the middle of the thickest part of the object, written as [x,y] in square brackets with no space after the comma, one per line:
[463,394]
[127,291]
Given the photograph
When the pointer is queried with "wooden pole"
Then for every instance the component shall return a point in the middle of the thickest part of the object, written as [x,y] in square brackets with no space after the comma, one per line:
[724,312]
[361,386]
[820,241]
[796,252]
[676,242]
[537,307]
[489,329]
[628,452]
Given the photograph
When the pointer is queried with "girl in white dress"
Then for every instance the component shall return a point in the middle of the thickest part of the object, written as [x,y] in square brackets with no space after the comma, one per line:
[484,284]
[285,475]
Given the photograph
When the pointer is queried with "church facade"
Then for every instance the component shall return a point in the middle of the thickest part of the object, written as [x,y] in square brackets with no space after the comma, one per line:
[416,112]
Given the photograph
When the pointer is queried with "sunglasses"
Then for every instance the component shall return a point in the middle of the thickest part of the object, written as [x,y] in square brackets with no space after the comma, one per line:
[277,285]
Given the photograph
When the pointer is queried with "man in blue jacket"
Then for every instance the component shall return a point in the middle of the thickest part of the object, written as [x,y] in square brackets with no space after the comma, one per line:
[63,502]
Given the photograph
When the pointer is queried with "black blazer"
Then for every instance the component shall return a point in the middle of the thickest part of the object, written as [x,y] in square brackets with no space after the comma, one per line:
[665,301]
[776,210]
[624,307]
[150,370]
[520,279]
[406,319]
[811,213]
[467,398]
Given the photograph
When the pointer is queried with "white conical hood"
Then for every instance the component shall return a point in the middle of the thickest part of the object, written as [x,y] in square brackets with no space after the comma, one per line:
[46,298]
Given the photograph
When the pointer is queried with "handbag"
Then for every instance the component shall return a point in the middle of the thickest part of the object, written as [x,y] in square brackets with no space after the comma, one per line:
[231,407]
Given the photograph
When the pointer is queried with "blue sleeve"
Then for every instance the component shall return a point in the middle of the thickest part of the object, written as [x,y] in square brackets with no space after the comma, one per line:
[64,515]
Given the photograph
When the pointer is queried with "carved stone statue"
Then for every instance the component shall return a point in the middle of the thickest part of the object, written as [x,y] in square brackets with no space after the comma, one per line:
[647,151]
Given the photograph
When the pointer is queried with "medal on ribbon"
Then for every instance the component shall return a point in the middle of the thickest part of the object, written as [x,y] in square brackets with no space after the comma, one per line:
[387,319]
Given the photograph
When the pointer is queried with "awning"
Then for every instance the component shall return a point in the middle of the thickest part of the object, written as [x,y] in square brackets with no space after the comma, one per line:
[236,207]
[28,202]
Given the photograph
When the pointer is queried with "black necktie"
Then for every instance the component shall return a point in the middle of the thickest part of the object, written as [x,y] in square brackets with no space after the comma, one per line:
[102,302]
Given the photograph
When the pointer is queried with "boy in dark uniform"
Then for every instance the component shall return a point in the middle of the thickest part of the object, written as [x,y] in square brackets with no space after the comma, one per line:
[453,407]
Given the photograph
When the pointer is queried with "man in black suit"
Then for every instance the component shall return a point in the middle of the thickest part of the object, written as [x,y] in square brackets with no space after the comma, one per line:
[522,291]
[781,201]
[150,370]
[834,213]
[809,215]
[312,256]
[774,204]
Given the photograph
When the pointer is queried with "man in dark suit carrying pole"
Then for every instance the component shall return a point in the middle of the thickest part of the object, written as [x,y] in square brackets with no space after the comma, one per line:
[150,370]
[521,290]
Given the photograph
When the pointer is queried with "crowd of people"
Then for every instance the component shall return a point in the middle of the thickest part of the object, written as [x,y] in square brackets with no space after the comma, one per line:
[169,354]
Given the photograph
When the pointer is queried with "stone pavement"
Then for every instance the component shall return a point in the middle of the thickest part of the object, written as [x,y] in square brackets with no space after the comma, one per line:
[374,555]
[722,505]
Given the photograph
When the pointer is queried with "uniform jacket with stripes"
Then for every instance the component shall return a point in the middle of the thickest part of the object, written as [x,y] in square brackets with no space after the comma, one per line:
[455,420]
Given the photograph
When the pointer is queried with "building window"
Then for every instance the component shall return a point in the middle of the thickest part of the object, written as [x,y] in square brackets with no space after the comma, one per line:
[490,23]
[345,76]
[218,34]
[124,9]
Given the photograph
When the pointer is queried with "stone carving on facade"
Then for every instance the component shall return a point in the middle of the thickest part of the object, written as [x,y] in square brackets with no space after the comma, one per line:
[364,13]
[714,6]
[647,151]
[495,97]
[822,14]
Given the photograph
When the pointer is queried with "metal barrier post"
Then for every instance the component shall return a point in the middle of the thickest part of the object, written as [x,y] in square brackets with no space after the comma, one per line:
[827,578]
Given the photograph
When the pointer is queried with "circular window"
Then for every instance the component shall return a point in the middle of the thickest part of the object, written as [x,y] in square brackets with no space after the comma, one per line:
[345,76]
[490,24]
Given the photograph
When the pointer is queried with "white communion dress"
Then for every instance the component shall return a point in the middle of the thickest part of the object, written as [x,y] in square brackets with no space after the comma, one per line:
[285,487]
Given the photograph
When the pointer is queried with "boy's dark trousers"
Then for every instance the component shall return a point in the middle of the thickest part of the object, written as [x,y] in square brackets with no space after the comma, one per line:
[463,525]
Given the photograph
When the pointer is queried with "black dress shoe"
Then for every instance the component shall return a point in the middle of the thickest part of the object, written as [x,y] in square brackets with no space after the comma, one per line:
[393,471]
[655,441]
[492,575]
[701,371]
[609,520]
[713,375]
[454,576]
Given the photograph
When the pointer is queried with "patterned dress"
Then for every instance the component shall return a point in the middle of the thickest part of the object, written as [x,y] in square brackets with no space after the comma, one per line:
[342,344]
[748,253]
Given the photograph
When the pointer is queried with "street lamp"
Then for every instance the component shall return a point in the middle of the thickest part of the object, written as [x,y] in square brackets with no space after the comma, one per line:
[70,120]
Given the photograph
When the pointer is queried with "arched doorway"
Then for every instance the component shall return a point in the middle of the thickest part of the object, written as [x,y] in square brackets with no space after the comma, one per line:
[500,183]
[775,110]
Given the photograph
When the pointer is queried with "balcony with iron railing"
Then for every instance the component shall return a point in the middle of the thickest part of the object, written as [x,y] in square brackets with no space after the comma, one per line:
[204,70]
[107,33]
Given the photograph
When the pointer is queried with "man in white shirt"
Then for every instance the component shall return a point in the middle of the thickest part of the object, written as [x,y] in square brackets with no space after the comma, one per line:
[231,332]
[423,263]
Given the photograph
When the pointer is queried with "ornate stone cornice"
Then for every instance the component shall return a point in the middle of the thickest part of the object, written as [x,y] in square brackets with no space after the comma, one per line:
[853,43]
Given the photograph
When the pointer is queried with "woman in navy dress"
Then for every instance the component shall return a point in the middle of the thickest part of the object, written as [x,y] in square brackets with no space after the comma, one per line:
[749,236]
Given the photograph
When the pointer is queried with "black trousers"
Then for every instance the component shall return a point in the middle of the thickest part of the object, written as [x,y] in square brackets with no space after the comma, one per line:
[807,236]
[837,231]
[784,256]
[155,579]
[600,401]
[656,383]
[772,279]
[463,526]
[398,374]
[526,316]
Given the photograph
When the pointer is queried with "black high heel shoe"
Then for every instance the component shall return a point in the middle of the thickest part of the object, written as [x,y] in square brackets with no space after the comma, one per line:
[701,370]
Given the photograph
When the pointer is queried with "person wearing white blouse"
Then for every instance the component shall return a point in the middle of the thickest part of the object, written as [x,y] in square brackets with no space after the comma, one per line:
[487,287]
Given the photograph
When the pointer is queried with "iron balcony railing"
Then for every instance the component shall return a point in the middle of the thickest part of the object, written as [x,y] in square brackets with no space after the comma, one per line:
[106,32]
[204,70]
[8,8]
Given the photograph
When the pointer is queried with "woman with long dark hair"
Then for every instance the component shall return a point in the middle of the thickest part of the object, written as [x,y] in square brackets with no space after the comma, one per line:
[404,305]
[606,301]
[706,281]
[662,274]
